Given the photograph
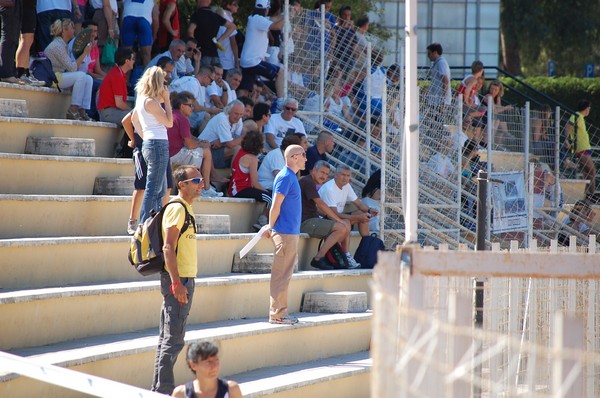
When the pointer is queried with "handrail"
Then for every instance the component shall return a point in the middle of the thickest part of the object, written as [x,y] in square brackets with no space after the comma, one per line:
[515,78]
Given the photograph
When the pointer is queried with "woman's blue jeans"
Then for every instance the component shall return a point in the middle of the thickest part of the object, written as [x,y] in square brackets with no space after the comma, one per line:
[156,155]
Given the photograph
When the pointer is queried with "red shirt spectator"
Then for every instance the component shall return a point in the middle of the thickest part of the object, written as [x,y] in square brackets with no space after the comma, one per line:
[169,23]
[114,84]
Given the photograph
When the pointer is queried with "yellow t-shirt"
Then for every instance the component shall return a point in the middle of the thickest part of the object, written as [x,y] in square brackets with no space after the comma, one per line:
[582,138]
[187,259]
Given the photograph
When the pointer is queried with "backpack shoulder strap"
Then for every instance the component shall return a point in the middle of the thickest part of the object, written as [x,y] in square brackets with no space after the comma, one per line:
[189,390]
[222,388]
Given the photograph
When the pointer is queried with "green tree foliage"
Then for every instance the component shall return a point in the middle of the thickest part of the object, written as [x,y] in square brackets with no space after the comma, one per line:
[567,90]
[534,33]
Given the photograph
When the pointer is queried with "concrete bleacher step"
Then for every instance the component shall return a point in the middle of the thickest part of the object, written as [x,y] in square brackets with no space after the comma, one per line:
[253,263]
[334,302]
[30,216]
[57,175]
[13,107]
[213,223]
[60,146]
[128,357]
[347,375]
[15,131]
[573,190]
[506,161]
[92,310]
[42,102]
[114,186]
[41,262]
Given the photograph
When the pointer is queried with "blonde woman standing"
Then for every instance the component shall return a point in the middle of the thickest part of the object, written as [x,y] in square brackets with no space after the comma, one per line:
[63,30]
[152,95]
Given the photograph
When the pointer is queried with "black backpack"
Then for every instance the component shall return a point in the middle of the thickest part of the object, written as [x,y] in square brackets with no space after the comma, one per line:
[41,69]
[366,252]
[146,248]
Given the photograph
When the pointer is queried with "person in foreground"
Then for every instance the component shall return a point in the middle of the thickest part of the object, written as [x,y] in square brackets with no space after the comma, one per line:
[203,361]
[284,228]
[177,278]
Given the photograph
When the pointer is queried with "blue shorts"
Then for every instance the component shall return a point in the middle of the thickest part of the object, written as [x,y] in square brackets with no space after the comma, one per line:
[263,69]
[141,170]
[136,27]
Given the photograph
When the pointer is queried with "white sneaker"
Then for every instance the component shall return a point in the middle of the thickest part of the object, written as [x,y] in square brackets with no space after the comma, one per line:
[32,81]
[211,193]
[352,263]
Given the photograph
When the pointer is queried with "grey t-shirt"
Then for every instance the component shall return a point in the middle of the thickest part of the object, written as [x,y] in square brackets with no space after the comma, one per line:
[438,70]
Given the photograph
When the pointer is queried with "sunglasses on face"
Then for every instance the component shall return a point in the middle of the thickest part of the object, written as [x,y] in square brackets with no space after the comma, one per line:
[289,108]
[196,180]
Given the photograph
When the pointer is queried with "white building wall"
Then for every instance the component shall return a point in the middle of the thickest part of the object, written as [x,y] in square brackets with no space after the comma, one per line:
[466,29]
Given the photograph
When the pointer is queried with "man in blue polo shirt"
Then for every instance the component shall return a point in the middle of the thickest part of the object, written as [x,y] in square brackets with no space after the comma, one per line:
[285,217]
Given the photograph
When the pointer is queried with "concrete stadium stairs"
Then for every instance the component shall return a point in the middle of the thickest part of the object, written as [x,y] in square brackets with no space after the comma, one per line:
[69,297]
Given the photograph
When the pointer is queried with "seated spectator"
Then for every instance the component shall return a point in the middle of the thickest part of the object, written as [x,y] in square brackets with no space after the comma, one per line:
[467,85]
[203,361]
[580,219]
[261,113]
[282,124]
[197,86]
[542,138]
[336,193]
[224,133]
[252,59]
[189,64]
[248,107]
[233,78]
[319,151]
[186,149]
[332,227]
[91,65]
[168,66]
[244,175]
[175,51]
[371,196]
[66,69]
[219,91]
[112,95]
[274,162]
[138,18]
[344,42]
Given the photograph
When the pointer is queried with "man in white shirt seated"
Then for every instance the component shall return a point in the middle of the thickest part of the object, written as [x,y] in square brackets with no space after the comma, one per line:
[224,133]
[197,86]
[218,92]
[175,51]
[282,124]
[341,198]
[274,162]
[189,64]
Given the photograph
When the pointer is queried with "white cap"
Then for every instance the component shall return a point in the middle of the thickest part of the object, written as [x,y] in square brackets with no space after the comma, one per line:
[262,4]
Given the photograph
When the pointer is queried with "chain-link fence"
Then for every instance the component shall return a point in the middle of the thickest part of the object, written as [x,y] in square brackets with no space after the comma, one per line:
[537,336]
[335,73]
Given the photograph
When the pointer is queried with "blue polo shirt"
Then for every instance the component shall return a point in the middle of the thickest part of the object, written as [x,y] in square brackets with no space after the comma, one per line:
[290,215]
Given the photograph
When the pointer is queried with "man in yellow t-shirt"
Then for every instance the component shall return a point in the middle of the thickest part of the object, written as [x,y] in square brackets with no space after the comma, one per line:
[177,279]
[577,133]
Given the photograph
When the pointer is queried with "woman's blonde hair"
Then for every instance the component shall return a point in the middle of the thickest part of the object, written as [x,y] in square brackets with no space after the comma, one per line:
[58,26]
[152,82]
[498,84]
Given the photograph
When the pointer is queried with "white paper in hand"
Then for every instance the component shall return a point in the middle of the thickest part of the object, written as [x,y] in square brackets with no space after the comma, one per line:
[253,241]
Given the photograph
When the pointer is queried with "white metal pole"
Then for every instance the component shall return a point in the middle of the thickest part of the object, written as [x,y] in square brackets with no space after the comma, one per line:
[557,157]
[459,129]
[530,202]
[526,134]
[411,126]
[383,155]
[490,144]
[286,47]
[322,67]
[368,106]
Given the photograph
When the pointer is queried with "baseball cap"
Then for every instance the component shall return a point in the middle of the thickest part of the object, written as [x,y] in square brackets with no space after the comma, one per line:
[263,4]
